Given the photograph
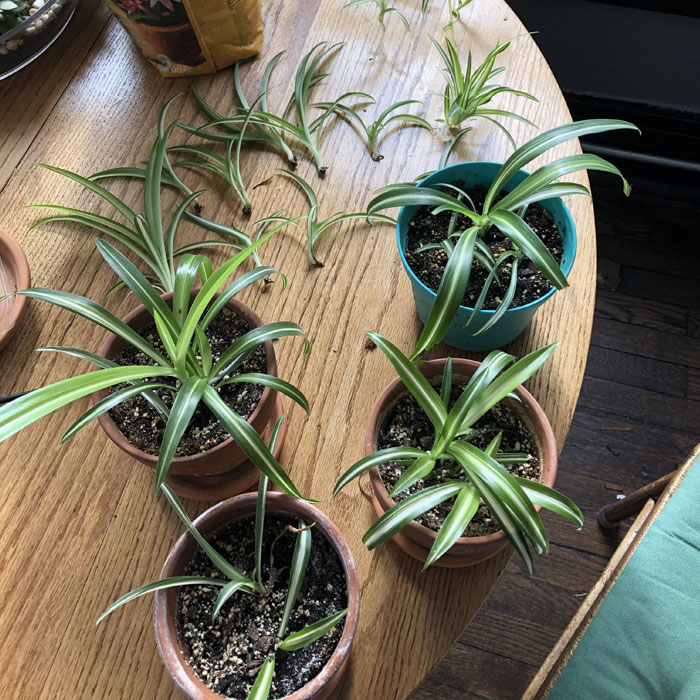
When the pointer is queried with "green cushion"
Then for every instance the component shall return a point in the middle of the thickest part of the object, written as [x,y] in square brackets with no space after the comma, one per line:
[644,642]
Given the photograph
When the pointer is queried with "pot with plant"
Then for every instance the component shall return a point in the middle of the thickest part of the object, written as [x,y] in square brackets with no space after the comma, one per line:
[485,245]
[259,599]
[210,391]
[28,28]
[461,459]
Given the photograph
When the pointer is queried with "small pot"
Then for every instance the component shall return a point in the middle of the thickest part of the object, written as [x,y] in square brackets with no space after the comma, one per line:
[416,539]
[224,470]
[516,319]
[169,646]
[16,268]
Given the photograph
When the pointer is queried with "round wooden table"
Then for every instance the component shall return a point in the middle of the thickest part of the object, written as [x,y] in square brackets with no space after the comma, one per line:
[78,523]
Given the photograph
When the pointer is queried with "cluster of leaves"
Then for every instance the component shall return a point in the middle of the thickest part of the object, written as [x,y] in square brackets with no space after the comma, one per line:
[506,214]
[373,130]
[257,123]
[479,474]
[454,7]
[12,13]
[469,91]
[316,226]
[146,235]
[234,580]
[189,359]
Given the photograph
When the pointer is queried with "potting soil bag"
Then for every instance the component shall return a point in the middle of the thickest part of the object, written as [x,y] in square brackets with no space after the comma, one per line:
[191,37]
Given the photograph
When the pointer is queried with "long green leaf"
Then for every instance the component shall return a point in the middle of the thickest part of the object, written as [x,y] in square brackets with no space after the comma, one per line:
[219,562]
[418,386]
[311,633]
[263,682]
[250,442]
[376,458]
[418,470]
[185,404]
[226,592]
[463,510]
[161,585]
[117,203]
[552,500]
[297,572]
[453,286]
[97,314]
[273,382]
[23,411]
[543,142]
[410,508]
[109,402]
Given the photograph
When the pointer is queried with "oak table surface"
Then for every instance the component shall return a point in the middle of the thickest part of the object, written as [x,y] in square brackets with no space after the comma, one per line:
[78,523]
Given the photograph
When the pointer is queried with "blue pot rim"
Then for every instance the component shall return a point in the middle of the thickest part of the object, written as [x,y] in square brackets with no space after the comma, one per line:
[413,276]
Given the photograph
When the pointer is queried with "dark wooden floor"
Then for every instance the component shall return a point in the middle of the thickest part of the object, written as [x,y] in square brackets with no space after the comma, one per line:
[638,416]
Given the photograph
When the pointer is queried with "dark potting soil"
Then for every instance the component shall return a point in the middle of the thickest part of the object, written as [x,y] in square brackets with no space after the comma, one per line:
[141,424]
[227,654]
[429,265]
[408,426]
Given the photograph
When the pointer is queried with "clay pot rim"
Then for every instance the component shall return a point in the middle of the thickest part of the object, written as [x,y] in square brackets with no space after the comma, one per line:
[116,435]
[531,408]
[241,506]
[17,259]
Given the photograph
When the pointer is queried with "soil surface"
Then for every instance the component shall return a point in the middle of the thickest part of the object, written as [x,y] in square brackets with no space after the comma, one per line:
[408,426]
[227,654]
[141,424]
[429,265]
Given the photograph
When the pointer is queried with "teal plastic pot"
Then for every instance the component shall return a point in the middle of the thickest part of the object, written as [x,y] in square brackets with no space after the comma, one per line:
[516,319]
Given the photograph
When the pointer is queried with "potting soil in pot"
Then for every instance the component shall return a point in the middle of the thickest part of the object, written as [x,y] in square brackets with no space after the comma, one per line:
[142,426]
[227,654]
[408,426]
[429,265]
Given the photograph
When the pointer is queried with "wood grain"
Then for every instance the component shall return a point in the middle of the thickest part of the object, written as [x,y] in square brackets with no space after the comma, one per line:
[79,526]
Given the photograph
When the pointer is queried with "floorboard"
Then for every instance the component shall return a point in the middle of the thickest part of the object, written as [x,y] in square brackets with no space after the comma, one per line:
[638,417]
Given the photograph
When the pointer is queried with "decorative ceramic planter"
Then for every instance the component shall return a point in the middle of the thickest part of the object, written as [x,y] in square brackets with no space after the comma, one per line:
[224,470]
[16,270]
[169,646]
[416,539]
[515,319]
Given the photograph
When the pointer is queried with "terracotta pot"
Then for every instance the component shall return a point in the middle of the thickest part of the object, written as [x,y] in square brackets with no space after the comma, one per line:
[16,268]
[224,470]
[416,539]
[169,646]
[178,42]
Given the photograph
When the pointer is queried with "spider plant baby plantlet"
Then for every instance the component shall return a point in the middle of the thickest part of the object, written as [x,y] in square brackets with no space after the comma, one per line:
[185,374]
[493,239]
[315,226]
[307,129]
[384,9]
[267,134]
[449,465]
[374,129]
[469,92]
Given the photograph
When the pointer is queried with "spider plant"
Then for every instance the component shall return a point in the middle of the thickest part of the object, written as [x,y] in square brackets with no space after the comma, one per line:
[233,580]
[469,91]
[195,375]
[506,214]
[374,129]
[229,167]
[384,9]
[306,129]
[266,134]
[146,235]
[464,472]
[316,226]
